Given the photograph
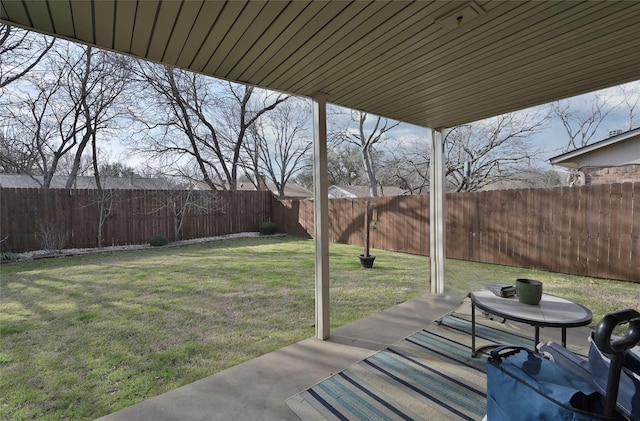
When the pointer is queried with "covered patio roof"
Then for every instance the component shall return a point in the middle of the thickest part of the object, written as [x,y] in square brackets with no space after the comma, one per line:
[430,63]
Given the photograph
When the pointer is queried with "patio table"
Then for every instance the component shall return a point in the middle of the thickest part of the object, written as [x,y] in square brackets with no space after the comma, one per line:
[551,312]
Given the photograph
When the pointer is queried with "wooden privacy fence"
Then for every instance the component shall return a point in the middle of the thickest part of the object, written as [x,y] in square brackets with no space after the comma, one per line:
[32,216]
[587,230]
[402,225]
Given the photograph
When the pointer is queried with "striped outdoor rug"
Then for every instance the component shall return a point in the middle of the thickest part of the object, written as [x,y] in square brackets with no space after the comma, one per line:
[429,375]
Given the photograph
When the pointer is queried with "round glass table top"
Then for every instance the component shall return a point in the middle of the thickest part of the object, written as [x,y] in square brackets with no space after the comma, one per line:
[552,311]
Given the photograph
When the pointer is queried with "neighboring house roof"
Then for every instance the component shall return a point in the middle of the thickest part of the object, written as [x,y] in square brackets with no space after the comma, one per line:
[337,192]
[291,190]
[617,150]
[85,182]
[526,179]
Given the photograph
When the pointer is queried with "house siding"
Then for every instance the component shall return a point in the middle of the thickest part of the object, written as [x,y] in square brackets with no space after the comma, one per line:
[607,175]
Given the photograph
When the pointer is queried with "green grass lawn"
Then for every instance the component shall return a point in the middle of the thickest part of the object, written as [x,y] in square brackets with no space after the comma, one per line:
[84,336]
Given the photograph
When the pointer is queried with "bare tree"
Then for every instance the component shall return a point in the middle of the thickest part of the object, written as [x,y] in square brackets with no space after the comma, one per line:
[630,94]
[202,119]
[30,143]
[67,162]
[493,150]
[583,118]
[174,131]
[241,110]
[63,107]
[581,125]
[279,144]
[344,167]
[20,52]
[101,197]
[407,167]
[366,136]
[16,154]
[104,200]
[182,200]
[103,82]
[115,169]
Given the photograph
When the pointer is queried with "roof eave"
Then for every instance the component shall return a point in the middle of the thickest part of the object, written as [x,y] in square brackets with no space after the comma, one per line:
[564,159]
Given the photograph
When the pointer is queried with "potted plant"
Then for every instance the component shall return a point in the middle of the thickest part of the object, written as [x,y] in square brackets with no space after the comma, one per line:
[366,259]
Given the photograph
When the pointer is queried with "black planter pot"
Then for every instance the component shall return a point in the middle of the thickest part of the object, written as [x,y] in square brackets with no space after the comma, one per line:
[367,261]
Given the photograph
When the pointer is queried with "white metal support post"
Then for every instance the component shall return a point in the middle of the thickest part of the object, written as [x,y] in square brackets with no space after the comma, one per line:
[437,212]
[321,215]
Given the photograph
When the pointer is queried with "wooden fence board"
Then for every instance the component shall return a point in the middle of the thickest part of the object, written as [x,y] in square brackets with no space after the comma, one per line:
[502,227]
[519,215]
[625,225]
[581,233]
[506,220]
[504,215]
[549,245]
[541,218]
[591,245]
[484,227]
[604,216]
[564,211]
[469,244]
[612,263]
[466,206]
[634,272]
[464,227]
[454,223]
[533,232]
[553,229]
[547,240]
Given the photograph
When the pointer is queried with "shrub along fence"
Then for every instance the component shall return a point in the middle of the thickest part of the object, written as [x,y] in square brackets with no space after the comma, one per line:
[586,230]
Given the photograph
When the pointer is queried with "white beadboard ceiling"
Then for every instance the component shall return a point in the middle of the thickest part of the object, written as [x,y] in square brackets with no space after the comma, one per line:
[430,63]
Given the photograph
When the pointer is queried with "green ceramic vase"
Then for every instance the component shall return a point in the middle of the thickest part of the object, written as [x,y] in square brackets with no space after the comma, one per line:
[529,291]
